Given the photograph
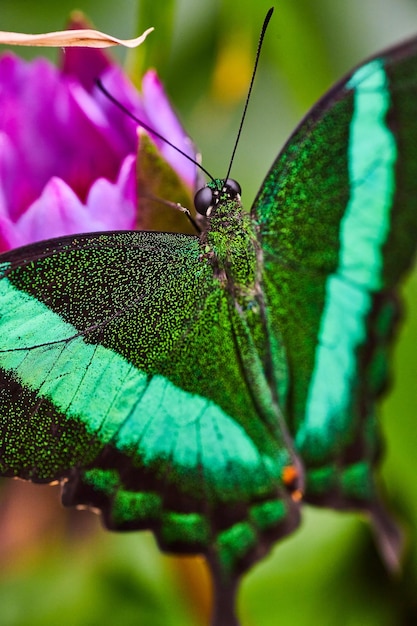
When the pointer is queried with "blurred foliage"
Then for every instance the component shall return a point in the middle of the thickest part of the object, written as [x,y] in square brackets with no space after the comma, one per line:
[59,568]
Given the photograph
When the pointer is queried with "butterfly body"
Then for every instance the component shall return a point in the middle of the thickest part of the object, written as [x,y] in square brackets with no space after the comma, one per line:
[205,386]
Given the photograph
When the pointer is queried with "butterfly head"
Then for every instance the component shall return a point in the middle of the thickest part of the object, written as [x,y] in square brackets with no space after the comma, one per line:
[214,193]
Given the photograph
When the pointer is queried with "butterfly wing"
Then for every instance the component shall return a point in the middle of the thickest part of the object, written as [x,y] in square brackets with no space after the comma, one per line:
[122,375]
[337,217]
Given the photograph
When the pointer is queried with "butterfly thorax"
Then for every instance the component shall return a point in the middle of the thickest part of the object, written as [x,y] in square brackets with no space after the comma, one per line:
[229,242]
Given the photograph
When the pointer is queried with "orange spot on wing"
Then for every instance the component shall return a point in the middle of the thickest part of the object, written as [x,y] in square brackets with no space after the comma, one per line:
[289,475]
[297,495]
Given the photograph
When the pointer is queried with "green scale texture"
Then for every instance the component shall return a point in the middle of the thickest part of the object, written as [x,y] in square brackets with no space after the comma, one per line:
[170,380]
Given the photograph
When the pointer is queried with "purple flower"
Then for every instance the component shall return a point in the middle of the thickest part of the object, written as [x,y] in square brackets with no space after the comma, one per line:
[67,154]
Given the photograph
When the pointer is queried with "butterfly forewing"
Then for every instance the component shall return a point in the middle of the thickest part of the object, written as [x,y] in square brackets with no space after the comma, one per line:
[338,221]
[122,373]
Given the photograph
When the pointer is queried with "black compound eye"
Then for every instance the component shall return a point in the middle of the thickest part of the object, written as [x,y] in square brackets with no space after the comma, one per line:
[233,185]
[203,200]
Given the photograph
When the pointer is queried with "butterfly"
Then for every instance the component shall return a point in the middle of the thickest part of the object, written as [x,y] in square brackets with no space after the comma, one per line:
[207,386]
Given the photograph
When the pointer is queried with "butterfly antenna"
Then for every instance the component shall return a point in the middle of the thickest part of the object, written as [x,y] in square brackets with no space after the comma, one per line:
[142,124]
[258,52]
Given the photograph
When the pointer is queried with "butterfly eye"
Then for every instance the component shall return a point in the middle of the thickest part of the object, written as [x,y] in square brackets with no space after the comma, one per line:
[233,185]
[203,200]
[206,198]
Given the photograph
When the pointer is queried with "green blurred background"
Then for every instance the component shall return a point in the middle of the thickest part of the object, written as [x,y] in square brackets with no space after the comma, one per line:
[59,567]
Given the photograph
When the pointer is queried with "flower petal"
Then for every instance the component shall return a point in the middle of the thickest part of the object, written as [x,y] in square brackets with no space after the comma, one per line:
[162,117]
[9,237]
[153,108]
[113,206]
[55,128]
[85,37]
[83,64]
[59,211]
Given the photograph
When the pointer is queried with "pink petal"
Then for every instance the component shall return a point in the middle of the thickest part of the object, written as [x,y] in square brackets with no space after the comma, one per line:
[83,64]
[162,117]
[114,206]
[59,211]
[53,132]
[154,109]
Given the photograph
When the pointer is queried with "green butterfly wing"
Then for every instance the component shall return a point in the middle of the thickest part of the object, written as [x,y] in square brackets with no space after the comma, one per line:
[129,373]
[337,223]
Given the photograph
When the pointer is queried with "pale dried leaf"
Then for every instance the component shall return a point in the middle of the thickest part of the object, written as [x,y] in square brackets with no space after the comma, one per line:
[83,38]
